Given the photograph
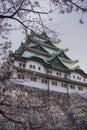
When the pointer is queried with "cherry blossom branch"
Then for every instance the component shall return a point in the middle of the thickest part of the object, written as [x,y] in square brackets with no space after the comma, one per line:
[29,10]
[70,1]
[17,9]
[3,114]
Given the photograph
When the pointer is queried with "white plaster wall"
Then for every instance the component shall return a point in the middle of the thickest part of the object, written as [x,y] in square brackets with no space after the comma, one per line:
[58,88]
[37,65]
[36,84]
[72,90]
[54,73]
[77,89]
[85,80]
[33,63]
[16,63]
[41,85]
[85,89]
[76,75]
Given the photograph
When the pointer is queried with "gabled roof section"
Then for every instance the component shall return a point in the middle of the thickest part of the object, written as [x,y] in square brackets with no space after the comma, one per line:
[20,49]
[36,49]
[62,56]
[44,35]
[76,67]
[39,47]
[48,42]
[27,41]
[79,70]
[42,39]
[65,50]
[55,61]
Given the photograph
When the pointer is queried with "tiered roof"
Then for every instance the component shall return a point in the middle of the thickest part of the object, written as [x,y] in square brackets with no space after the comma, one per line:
[39,44]
[38,47]
[54,61]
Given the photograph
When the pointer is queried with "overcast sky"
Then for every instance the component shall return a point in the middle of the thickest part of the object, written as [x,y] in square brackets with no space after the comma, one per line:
[74,36]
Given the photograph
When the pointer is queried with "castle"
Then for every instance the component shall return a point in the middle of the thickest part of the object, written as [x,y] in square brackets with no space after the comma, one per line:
[41,64]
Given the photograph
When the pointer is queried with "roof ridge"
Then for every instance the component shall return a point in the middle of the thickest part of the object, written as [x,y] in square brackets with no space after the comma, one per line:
[40,46]
[57,61]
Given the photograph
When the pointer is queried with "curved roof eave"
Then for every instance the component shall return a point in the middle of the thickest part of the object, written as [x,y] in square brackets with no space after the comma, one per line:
[69,61]
[79,70]
[42,49]
[61,65]
[36,58]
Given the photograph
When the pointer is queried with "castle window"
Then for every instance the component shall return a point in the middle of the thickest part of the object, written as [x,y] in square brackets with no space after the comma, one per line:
[73,76]
[30,66]
[19,76]
[22,76]
[39,68]
[64,85]
[50,72]
[44,81]
[23,65]
[72,86]
[59,74]
[3,90]
[20,64]
[80,88]
[47,71]
[56,73]
[33,79]
[79,78]
[54,83]
[33,66]
[65,76]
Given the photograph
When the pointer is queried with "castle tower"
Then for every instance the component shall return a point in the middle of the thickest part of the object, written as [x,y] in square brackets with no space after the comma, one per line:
[40,64]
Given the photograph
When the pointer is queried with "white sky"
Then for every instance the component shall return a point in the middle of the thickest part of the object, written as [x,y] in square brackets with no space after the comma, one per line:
[73,36]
